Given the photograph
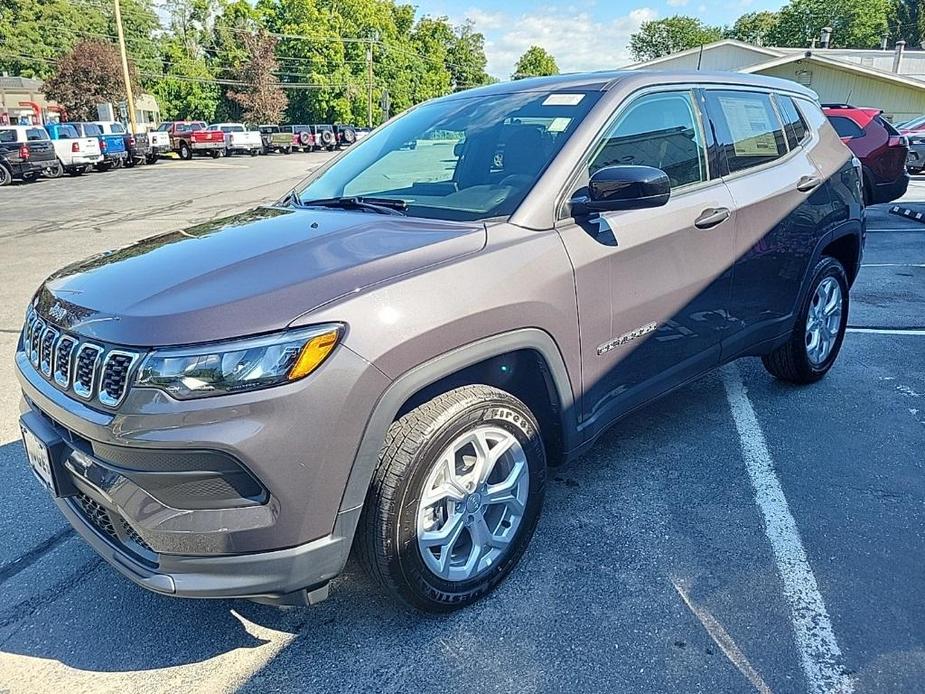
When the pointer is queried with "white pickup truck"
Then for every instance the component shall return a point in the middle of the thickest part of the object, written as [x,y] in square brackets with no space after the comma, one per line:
[75,154]
[239,139]
[159,142]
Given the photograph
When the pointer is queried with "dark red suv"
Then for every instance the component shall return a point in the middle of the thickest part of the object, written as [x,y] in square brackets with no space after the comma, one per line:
[880,147]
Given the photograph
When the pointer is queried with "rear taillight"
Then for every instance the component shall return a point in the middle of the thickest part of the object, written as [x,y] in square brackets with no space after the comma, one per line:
[75,147]
[102,145]
[898,141]
[131,142]
[24,151]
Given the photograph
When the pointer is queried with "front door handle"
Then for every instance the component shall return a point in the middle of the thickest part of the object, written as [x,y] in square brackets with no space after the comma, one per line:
[808,183]
[711,216]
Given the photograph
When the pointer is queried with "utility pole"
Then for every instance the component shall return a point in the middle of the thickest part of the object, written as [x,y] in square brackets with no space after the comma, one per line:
[369,82]
[129,99]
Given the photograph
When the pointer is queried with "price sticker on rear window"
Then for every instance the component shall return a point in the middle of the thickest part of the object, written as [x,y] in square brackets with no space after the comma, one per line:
[563,99]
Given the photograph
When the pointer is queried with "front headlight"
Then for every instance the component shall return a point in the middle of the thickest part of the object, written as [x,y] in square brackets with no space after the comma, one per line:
[240,365]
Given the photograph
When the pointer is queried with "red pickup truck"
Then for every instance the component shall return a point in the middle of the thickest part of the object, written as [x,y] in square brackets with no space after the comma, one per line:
[191,137]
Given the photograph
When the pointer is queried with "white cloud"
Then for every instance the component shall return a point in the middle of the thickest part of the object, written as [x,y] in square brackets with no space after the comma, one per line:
[677,3]
[485,21]
[577,40]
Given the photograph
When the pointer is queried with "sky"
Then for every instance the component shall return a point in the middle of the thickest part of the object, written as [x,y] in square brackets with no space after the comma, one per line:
[591,35]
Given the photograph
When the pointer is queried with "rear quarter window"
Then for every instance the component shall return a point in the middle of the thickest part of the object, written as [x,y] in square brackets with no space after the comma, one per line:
[845,127]
[92,130]
[794,125]
[748,128]
[33,134]
[7,136]
[117,129]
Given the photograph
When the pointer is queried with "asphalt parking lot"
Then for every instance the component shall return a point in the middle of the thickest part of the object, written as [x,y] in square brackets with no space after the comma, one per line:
[664,560]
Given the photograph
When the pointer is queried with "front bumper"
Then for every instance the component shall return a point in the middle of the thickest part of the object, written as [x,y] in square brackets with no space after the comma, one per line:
[916,157]
[297,537]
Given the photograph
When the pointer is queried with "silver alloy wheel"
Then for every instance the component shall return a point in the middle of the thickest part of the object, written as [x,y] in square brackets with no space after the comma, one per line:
[472,503]
[823,320]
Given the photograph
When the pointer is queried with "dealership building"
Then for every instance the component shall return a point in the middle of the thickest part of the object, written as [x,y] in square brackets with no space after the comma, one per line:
[892,80]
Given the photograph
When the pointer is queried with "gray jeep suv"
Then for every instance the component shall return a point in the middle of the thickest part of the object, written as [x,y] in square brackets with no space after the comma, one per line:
[389,357]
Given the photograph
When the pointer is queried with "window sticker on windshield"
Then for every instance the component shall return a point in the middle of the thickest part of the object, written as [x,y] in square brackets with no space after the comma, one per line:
[558,125]
[563,99]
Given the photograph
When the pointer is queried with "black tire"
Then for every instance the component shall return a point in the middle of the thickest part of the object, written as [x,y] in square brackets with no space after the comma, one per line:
[129,162]
[103,166]
[56,171]
[790,362]
[30,177]
[387,542]
[254,152]
[152,159]
[287,150]
[5,176]
[216,153]
[185,152]
[76,171]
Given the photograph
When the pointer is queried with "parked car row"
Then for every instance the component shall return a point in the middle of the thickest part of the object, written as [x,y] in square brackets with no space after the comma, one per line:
[55,149]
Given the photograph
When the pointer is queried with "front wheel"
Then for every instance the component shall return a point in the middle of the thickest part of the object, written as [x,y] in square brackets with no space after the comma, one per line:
[819,330]
[216,153]
[30,177]
[455,498]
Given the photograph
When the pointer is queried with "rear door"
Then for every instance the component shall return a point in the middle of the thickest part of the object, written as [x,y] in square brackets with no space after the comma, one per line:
[653,285]
[781,205]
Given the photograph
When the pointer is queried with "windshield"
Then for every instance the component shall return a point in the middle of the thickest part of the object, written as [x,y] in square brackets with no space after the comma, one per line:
[458,159]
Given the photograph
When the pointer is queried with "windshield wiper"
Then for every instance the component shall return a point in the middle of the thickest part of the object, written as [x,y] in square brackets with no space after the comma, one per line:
[379,205]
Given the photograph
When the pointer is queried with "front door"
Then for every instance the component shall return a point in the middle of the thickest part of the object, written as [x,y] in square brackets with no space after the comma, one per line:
[653,285]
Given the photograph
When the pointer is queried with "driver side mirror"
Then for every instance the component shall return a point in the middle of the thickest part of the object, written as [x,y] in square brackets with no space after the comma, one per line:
[624,187]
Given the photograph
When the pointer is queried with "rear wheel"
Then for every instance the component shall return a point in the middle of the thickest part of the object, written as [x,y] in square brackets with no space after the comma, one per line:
[5,176]
[819,330]
[56,171]
[455,498]
[76,171]
[185,152]
[216,153]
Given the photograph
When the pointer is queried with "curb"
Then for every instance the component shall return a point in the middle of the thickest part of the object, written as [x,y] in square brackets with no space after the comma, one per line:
[908,213]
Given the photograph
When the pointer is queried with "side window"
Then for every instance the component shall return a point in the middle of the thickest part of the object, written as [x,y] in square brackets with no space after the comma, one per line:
[117,129]
[845,127]
[748,128]
[794,125]
[36,134]
[92,130]
[660,130]
[7,136]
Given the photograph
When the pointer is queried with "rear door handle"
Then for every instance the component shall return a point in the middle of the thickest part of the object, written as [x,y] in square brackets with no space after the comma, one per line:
[808,183]
[711,216]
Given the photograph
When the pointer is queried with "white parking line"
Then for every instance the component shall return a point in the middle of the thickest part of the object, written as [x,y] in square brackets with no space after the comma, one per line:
[722,639]
[819,653]
[893,265]
[887,331]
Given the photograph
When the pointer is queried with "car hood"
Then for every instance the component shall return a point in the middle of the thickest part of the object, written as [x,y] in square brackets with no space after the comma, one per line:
[251,273]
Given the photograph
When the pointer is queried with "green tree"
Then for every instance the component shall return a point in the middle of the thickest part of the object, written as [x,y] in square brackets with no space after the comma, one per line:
[466,59]
[535,62]
[262,100]
[855,23]
[185,88]
[661,37]
[908,22]
[90,74]
[754,28]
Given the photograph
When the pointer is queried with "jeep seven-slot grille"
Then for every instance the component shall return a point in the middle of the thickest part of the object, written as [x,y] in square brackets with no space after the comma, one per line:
[88,370]
[115,377]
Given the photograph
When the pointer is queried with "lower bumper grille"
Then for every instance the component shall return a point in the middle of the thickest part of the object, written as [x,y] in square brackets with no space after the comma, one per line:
[115,528]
